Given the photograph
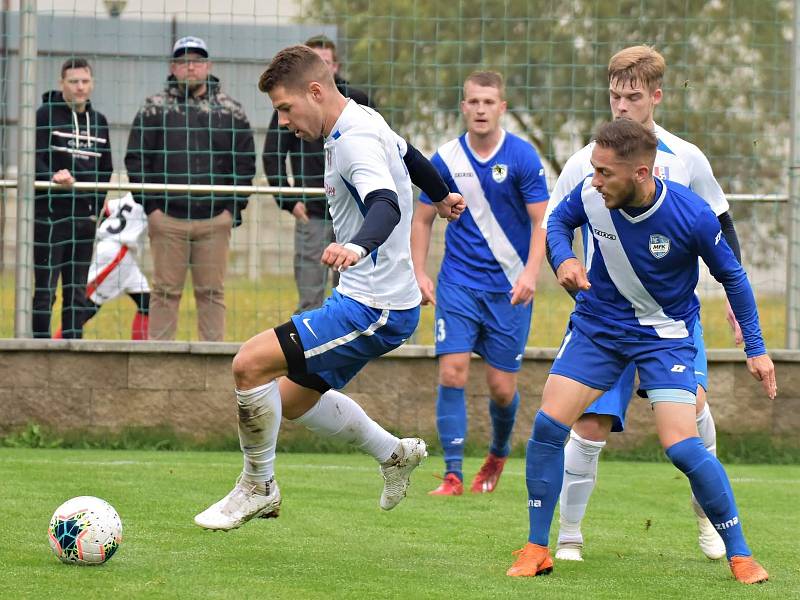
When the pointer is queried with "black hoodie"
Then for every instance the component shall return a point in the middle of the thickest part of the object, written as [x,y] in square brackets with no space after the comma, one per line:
[178,138]
[61,135]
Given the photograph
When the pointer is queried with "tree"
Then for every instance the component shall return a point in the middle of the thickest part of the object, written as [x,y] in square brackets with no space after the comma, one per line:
[727,85]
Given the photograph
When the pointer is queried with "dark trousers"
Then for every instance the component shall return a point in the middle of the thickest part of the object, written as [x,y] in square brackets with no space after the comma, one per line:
[62,248]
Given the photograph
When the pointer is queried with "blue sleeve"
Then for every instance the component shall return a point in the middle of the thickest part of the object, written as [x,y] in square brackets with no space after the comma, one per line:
[437,162]
[531,181]
[717,254]
[568,215]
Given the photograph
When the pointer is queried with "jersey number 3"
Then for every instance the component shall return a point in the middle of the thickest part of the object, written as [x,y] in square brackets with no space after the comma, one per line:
[440,330]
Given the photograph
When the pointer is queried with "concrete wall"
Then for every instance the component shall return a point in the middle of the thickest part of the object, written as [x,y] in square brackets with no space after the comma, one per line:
[188,386]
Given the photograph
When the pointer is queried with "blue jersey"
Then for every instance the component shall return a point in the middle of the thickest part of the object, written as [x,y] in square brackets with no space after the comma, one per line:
[645,267]
[487,247]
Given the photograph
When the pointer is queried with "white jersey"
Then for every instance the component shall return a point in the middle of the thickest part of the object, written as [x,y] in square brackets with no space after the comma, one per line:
[362,154]
[676,160]
[125,224]
[115,269]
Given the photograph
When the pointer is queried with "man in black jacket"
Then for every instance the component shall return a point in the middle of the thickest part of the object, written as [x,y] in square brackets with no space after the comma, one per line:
[194,133]
[313,227]
[71,145]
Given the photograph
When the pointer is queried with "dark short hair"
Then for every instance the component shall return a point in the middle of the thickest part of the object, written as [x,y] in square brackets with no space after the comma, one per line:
[75,63]
[628,139]
[294,67]
[322,41]
[487,79]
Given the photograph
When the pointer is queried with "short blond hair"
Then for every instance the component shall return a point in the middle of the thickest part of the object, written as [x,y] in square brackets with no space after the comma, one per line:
[641,65]
[486,79]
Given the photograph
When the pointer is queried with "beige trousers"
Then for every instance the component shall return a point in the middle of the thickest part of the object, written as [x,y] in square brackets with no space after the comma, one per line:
[178,245]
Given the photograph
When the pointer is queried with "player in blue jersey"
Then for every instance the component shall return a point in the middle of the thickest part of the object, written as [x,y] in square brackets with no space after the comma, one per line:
[635,75]
[638,306]
[488,275]
[294,369]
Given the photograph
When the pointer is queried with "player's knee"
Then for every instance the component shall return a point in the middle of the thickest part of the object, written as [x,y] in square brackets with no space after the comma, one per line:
[501,392]
[452,375]
[595,428]
[247,372]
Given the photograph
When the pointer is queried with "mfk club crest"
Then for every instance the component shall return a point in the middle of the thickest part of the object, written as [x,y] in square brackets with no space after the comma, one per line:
[659,245]
[499,173]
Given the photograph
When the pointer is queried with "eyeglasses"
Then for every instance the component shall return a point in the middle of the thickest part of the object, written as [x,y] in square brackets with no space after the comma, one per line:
[185,62]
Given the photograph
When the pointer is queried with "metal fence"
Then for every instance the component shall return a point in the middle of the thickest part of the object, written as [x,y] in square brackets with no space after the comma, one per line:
[729,89]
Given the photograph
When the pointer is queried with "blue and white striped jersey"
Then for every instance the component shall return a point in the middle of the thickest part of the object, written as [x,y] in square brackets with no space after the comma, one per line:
[362,154]
[487,247]
[645,266]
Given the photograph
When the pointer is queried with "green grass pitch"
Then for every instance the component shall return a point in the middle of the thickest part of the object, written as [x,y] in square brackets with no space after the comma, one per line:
[332,540]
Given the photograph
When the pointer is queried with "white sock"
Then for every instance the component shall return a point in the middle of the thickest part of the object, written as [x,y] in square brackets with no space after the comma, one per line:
[708,432]
[259,421]
[707,429]
[580,473]
[339,417]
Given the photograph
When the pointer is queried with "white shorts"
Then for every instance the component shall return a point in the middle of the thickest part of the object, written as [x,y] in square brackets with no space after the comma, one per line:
[113,272]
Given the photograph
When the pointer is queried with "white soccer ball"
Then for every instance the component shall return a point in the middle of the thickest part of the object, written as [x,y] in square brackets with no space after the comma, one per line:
[85,531]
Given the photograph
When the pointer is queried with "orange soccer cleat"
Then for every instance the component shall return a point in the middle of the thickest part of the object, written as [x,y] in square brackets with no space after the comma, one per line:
[486,479]
[533,560]
[747,570]
[451,486]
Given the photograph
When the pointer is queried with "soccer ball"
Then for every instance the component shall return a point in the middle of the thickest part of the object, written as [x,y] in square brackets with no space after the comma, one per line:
[85,531]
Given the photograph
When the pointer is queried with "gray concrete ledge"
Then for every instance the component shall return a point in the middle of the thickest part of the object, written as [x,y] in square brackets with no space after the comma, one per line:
[230,348]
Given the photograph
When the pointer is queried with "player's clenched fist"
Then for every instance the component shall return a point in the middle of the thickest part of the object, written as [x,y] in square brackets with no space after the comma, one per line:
[338,257]
[572,275]
[451,207]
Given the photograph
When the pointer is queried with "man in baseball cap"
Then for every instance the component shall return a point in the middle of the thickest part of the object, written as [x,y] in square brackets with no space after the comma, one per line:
[189,44]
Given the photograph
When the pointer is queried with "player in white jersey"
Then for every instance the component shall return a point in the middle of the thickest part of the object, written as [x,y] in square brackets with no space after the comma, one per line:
[115,266]
[487,280]
[295,369]
[635,75]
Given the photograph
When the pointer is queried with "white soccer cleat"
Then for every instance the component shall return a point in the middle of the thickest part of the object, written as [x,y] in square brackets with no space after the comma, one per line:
[707,537]
[244,502]
[569,551]
[397,471]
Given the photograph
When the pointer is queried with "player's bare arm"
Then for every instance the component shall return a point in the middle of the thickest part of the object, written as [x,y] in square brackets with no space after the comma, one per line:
[524,288]
[421,225]
[572,275]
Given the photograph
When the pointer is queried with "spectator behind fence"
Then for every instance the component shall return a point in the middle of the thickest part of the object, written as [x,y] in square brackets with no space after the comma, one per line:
[313,226]
[71,145]
[194,133]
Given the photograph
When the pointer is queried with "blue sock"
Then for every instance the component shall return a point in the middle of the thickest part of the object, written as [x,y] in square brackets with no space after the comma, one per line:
[503,418]
[451,421]
[713,491]
[544,474]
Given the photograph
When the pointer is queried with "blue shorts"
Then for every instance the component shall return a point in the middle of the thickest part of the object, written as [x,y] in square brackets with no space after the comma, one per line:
[616,400]
[600,360]
[470,320]
[343,335]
